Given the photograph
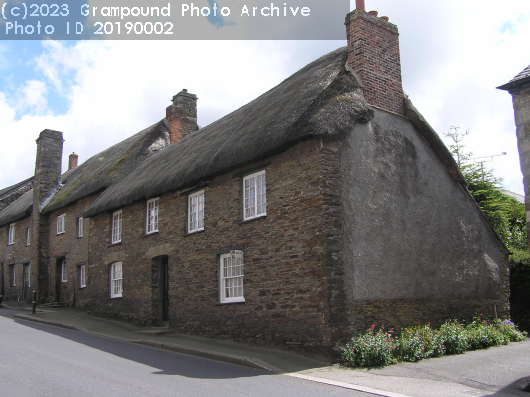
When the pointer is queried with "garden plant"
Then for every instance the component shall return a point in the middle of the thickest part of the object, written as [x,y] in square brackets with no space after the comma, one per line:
[379,347]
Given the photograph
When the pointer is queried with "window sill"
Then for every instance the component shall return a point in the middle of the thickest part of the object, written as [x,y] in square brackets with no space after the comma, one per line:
[192,233]
[114,298]
[113,244]
[150,234]
[78,237]
[252,219]
[231,303]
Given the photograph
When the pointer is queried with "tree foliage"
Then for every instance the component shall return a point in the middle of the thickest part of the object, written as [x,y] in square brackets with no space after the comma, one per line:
[506,214]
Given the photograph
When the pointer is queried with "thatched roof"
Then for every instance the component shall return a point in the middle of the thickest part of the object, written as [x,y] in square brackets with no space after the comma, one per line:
[322,99]
[15,187]
[18,209]
[110,166]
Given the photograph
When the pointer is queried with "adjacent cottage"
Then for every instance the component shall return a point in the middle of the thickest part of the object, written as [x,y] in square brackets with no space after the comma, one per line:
[323,206]
[519,88]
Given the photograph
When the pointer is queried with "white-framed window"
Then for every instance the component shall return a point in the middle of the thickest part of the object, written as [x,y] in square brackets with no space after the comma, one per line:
[115,280]
[80,226]
[82,276]
[64,272]
[254,195]
[28,235]
[60,223]
[12,278]
[196,212]
[151,225]
[11,235]
[116,227]
[231,277]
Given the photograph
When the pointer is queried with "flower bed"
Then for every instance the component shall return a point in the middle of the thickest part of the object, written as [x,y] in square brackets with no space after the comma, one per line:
[379,347]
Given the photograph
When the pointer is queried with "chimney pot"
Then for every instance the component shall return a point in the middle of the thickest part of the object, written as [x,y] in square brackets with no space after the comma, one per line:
[385,19]
[374,13]
[359,4]
[72,161]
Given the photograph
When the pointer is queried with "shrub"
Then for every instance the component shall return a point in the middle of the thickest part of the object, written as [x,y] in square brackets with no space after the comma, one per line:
[453,336]
[379,348]
[509,331]
[417,343]
[373,349]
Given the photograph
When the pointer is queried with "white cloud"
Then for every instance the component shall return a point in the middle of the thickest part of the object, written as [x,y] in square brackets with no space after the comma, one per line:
[32,97]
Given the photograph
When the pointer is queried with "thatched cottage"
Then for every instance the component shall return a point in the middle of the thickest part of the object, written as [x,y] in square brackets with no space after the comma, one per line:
[323,206]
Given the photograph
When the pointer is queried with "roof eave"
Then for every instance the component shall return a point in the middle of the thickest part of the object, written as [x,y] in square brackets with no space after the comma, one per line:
[517,85]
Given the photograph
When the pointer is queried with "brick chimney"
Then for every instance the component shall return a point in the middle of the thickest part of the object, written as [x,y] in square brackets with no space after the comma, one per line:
[72,161]
[182,115]
[373,53]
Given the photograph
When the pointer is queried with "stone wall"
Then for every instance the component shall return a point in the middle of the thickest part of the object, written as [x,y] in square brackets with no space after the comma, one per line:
[71,248]
[417,249]
[285,281]
[18,255]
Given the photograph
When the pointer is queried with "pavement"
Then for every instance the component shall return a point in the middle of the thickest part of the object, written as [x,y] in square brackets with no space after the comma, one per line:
[498,371]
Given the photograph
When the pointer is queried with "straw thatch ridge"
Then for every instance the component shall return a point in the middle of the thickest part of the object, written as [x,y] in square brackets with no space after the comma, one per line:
[110,166]
[320,100]
[18,209]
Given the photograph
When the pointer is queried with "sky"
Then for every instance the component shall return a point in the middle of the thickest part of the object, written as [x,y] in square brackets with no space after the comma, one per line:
[453,53]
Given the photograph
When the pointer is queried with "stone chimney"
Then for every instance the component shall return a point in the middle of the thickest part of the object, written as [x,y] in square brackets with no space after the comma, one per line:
[48,163]
[72,161]
[46,181]
[182,115]
[373,53]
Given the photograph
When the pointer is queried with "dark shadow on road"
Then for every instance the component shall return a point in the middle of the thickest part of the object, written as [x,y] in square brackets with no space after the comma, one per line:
[520,388]
[167,362]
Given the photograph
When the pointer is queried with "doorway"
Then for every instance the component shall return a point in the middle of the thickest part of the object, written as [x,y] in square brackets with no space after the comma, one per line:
[2,288]
[161,282]
[26,283]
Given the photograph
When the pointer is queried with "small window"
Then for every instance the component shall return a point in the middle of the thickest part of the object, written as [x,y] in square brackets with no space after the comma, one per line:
[60,223]
[116,227]
[28,235]
[231,277]
[152,216]
[11,235]
[64,270]
[196,212]
[254,194]
[80,226]
[82,276]
[115,280]
[12,279]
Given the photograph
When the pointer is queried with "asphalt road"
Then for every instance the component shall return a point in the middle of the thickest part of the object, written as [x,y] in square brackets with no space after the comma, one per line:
[40,360]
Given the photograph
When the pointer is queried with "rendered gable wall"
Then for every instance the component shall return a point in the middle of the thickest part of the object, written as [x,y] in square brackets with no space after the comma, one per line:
[416,247]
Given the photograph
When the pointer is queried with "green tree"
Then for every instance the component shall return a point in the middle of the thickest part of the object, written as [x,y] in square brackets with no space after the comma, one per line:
[506,214]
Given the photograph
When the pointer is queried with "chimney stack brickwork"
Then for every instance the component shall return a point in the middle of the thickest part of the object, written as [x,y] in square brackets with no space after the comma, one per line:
[72,161]
[373,52]
[182,115]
